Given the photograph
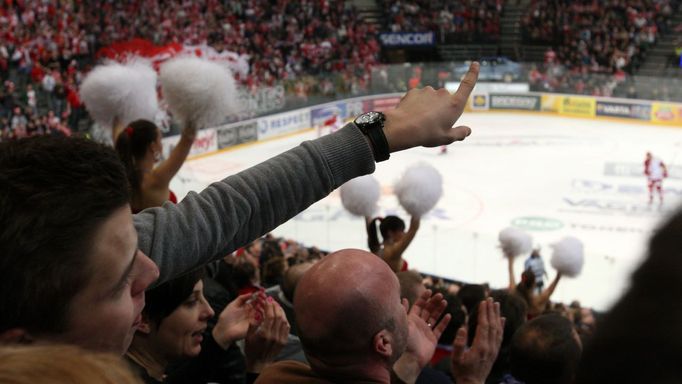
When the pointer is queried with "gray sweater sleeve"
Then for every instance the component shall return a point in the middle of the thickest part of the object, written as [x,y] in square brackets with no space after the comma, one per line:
[230,213]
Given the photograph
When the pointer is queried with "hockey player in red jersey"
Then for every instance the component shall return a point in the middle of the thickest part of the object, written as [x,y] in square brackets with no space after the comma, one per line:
[334,123]
[655,171]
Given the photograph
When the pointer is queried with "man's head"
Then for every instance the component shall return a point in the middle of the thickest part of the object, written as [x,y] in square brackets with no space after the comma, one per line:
[292,277]
[535,254]
[349,313]
[70,270]
[411,286]
[545,350]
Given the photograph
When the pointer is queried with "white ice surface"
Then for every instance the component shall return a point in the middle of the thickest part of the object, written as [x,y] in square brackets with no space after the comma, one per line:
[512,166]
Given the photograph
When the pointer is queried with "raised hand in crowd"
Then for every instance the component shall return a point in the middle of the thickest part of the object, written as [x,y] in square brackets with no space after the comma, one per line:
[472,365]
[266,338]
[425,117]
[234,321]
[425,326]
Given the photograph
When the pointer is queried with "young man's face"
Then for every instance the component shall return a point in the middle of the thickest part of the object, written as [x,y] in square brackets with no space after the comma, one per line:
[106,312]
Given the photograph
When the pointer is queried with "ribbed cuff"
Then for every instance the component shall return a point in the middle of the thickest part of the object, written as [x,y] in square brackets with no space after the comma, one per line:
[348,154]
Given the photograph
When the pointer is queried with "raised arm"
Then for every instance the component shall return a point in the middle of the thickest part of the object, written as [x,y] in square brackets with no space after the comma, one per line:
[232,212]
[242,207]
[512,275]
[164,172]
[543,298]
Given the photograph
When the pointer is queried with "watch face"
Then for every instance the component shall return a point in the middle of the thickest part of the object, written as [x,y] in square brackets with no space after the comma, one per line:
[368,118]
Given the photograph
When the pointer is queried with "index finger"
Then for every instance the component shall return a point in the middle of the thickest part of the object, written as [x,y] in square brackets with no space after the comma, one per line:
[467,85]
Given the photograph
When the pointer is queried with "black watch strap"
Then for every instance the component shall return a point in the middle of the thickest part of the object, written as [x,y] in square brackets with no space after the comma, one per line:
[379,143]
[372,125]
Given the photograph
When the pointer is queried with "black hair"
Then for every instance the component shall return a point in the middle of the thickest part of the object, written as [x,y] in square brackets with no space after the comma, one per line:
[471,296]
[386,225]
[273,271]
[270,249]
[242,274]
[545,351]
[525,287]
[55,193]
[454,308]
[132,144]
[165,298]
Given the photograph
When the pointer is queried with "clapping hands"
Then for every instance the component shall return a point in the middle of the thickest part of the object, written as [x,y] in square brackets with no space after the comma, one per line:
[472,365]
[266,338]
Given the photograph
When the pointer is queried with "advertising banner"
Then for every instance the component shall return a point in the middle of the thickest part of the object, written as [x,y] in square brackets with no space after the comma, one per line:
[479,102]
[234,134]
[487,87]
[515,102]
[381,104]
[624,110]
[666,113]
[247,132]
[551,103]
[321,114]
[206,141]
[407,39]
[283,123]
[227,137]
[578,106]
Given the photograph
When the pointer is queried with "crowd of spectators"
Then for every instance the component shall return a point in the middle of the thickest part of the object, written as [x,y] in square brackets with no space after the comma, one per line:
[276,264]
[598,36]
[551,76]
[460,21]
[68,225]
[51,45]
[287,40]
[263,264]
[20,116]
[596,45]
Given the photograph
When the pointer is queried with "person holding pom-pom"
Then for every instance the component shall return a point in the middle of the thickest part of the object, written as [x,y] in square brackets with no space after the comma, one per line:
[396,239]
[139,147]
[526,288]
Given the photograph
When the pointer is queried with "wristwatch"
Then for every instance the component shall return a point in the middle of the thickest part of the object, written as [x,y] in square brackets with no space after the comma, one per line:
[372,125]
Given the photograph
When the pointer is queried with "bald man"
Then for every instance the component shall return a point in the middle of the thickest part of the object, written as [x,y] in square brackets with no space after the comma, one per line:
[284,293]
[356,329]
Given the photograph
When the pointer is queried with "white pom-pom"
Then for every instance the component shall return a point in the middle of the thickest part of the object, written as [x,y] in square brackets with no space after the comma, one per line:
[515,242]
[115,93]
[198,91]
[360,195]
[419,189]
[568,257]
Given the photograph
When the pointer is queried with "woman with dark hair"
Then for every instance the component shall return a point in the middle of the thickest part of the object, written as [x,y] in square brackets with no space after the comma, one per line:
[526,288]
[395,239]
[139,147]
[174,327]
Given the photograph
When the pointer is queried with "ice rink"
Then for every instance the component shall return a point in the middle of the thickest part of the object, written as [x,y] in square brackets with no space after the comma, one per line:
[551,176]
